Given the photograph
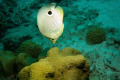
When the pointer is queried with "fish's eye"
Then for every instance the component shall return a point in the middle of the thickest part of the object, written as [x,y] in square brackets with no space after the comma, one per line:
[49,12]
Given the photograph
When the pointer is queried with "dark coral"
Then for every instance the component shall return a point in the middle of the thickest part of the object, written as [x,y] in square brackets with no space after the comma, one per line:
[30,47]
[95,35]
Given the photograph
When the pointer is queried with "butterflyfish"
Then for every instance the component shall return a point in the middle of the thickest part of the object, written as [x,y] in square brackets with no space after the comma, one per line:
[50,21]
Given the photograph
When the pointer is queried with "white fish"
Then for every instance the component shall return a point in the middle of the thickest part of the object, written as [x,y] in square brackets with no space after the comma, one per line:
[50,21]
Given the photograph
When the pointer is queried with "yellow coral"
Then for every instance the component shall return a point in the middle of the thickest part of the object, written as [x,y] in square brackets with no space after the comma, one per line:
[67,64]
[25,73]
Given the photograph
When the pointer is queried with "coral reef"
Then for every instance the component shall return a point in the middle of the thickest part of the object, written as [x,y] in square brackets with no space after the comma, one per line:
[15,16]
[1,47]
[30,47]
[18,23]
[113,63]
[104,65]
[7,62]
[95,35]
[24,59]
[11,43]
[11,63]
[67,64]
[1,26]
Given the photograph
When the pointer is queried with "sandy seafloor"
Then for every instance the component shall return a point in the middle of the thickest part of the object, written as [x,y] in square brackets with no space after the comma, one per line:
[104,58]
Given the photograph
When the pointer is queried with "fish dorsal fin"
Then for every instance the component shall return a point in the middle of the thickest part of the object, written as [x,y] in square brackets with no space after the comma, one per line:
[60,11]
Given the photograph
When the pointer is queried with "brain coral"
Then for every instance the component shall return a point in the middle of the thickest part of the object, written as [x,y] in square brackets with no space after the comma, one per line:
[30,47]
[67,64]
[95,35]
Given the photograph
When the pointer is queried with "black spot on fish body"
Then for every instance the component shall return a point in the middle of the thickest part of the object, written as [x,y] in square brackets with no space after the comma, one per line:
[52,39]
